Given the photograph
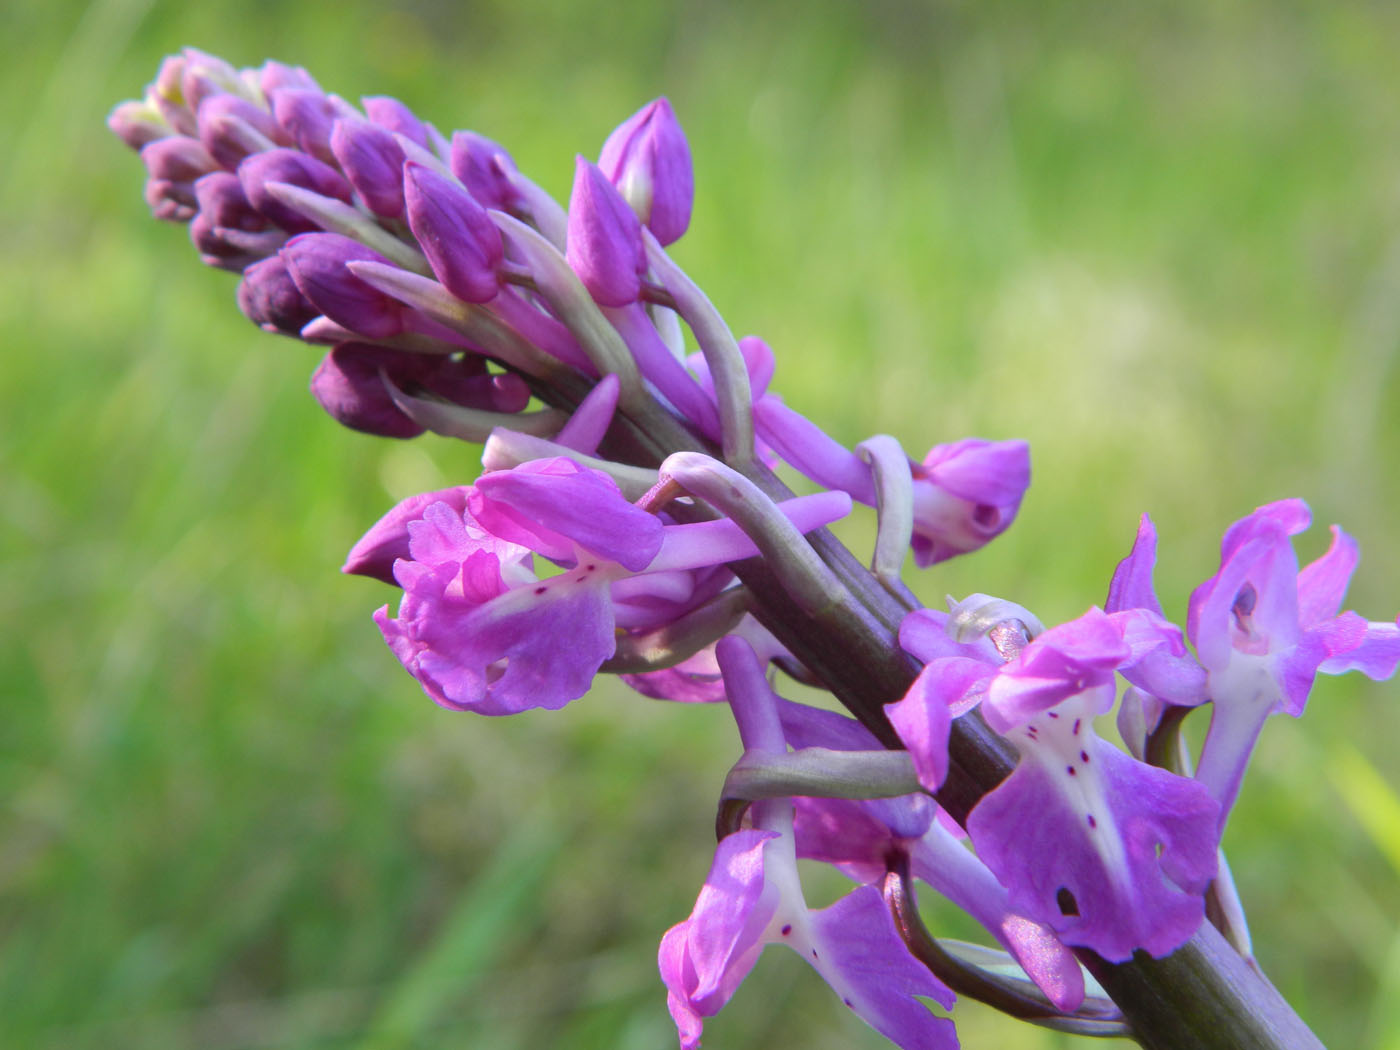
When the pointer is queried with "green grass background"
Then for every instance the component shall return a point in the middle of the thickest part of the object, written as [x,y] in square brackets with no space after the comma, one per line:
[1160,241]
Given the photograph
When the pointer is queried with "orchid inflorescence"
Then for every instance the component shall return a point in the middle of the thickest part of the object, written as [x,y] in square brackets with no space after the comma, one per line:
[629,521]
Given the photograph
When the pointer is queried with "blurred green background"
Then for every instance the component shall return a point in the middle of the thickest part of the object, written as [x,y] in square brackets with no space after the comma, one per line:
[1161,242]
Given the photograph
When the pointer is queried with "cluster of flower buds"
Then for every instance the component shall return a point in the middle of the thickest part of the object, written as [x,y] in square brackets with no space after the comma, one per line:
[612,526]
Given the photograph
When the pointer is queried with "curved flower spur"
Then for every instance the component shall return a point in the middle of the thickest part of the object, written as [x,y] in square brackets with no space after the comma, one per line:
[629,521]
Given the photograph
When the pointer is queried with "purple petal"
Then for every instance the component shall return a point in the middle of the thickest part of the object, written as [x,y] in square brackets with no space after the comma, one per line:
[538,504]
[537,646]
[1085,862]
[387,540]
[1376,655]
[308,117]
[270,298]
[347,385]
[923,720]
[482,166]
[1065,661]
[870,968]
[1322,584]
[705,958]
[965,495]
[1132,580]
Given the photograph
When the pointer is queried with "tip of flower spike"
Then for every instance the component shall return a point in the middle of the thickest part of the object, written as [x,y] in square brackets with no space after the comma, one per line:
[648,159]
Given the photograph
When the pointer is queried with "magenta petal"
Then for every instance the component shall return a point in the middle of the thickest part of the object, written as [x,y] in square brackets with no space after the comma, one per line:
[1376,656]
[534,646]
[1159,662]
[1086,862]
[1064,661]
[540,503]
[704,959]
[1132,580]
[868,966]
[1289,516]
[1322,584]
[387,540]
[922,718]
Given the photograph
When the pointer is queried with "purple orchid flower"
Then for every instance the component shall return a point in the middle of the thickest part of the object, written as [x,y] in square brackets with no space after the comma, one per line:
[1110,853]
[482,632]
[1262,630]
[753,898]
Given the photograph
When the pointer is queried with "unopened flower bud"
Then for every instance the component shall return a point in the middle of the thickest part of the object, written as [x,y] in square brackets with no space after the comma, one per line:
[317,265]
[177,158]
[350,384]
[348,387]
[966,494]
[269,298]
[275,78]
[373,162]
[166,96]
[392,114]
[308,117]
[483,167]
[221,198]
[218,249]
[461,242]
[207,75]
[604,245]
[231,128]
[137,123]
[296,169]
[648,160]
[171,201]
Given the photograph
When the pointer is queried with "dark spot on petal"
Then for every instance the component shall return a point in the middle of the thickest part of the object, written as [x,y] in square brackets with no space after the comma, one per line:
[1069,770]
[849,1003]
[1064,900]
[814,953]
[787,929]
[591,568]
[1084,757]
[1053,714]
[1092,822]
[541,590]
[1076,726]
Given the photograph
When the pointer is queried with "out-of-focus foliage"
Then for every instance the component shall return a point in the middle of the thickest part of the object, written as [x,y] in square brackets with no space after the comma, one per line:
[1161,242]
